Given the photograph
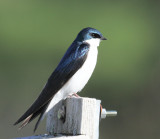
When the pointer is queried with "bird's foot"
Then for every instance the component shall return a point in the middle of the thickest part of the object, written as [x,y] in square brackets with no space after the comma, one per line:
[75,94]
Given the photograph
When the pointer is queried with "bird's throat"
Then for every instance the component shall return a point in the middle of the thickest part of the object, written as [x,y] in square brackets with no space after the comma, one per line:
[93,42]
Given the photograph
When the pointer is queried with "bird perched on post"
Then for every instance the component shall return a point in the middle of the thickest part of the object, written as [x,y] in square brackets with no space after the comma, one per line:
[69,77]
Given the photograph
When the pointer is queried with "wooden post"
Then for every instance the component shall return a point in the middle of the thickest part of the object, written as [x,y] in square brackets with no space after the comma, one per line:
[74,118]
[81,117]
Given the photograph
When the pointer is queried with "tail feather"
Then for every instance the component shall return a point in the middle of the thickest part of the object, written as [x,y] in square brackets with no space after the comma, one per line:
[32,117]
[25,122]
[42,111]
[39,119]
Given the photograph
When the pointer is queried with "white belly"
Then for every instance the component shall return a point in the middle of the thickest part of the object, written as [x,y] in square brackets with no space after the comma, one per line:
[81,77]
[78,80]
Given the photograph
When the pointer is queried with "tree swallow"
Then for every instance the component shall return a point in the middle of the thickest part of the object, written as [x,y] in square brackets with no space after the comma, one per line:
[69,77]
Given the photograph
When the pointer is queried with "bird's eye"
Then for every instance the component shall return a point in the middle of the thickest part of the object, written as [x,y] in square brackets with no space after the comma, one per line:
[94,35]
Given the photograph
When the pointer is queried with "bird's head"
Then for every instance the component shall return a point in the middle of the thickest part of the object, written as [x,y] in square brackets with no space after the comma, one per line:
[89,33]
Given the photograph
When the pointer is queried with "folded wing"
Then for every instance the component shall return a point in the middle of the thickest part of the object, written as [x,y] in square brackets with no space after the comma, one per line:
[71,62]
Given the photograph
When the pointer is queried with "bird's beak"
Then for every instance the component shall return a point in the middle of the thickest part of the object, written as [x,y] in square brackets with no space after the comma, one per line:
[103,38]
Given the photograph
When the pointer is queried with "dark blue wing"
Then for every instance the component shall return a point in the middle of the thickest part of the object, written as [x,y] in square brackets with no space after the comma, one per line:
[68,66]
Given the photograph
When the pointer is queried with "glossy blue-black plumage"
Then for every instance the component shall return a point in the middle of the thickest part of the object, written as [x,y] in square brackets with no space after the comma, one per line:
[71,62]
[85,34]
[76,51]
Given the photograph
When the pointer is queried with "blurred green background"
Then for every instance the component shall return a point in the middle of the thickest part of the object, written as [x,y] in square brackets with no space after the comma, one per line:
[34,35]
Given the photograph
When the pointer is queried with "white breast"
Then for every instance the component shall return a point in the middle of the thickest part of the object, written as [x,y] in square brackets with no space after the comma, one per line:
[81,77]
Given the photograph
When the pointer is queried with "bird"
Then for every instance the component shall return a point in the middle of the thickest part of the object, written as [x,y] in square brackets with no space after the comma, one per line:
[69,77]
